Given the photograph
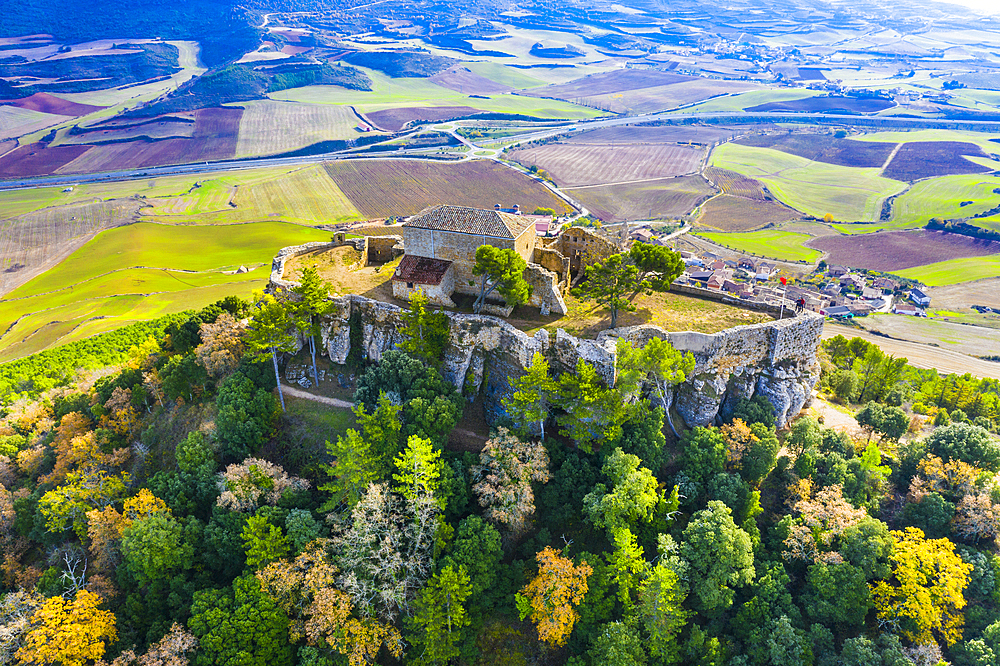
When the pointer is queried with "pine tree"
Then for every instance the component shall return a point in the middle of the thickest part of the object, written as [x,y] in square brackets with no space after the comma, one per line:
[314,303]
[270,332]
[440,615]
[426,332]
[529,401]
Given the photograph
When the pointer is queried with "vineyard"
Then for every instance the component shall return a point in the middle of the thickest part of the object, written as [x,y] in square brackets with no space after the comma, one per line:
[381,189]
[574,165]
[730,182]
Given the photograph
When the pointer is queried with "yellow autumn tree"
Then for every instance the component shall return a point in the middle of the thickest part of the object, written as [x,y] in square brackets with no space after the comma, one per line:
[551,598]
[105,526]
[69,633]
[925,597]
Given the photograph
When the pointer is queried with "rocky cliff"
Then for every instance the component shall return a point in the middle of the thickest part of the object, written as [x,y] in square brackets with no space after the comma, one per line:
[776,359]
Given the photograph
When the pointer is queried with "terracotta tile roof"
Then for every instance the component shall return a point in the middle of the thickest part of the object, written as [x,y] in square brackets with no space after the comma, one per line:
[470,221]
[421,270]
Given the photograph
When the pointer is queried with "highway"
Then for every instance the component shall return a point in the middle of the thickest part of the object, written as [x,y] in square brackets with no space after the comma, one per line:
[573,126]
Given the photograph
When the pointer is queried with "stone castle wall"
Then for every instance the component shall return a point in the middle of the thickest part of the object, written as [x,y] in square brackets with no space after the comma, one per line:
[777,359]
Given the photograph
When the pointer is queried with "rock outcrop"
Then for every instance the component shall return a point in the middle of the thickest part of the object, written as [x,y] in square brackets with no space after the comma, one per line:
[775,359]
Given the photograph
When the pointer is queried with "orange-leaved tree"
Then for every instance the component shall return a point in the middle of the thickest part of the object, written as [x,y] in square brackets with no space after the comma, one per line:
[70,633]
[551,598]
[926,598]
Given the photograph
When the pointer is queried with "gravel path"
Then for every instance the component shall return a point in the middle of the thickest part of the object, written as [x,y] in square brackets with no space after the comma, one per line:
[305,395]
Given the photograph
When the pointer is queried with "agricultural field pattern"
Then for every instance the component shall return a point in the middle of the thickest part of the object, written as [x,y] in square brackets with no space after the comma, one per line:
[793,132]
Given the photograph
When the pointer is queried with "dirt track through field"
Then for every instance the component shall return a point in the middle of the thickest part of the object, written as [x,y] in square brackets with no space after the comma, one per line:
[919,355]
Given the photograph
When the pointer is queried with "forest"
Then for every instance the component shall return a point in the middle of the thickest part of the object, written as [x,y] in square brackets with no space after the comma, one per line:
[157,508]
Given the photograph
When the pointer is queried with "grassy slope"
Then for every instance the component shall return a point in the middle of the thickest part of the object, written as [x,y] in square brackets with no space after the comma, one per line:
[389,93]
[954,271]
[732,103]
[105,278]
[771,243]
[815,188]
[940,197]
[979,138]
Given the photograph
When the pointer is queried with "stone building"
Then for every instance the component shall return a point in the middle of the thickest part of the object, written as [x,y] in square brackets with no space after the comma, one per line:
[434,277]
[454,233]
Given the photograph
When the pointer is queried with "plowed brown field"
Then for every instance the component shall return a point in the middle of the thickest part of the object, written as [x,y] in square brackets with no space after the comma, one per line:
[573,165]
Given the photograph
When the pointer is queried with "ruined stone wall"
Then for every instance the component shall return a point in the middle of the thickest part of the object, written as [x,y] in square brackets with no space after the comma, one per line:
[776,359]
[582,247]
[546,291]
[554,261]
[381,249]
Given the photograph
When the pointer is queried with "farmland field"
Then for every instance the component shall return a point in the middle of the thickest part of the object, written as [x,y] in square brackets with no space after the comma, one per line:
[97,289]
[898,250]
[704,134]
[729,213]
[653,199]
[573,165]
[849,194]
[824,148]
[270,128]
[15,121]
[943,197]
[826,105]
[164,127]
[981,139]
[389,93]
[395,119]
[34,159]
[609,82]
[737,102]
[954,271]
[926,159]
[770,243]
[662,98]
[382,188]
[464,80]
[736,184]
[35,241]
[305,195]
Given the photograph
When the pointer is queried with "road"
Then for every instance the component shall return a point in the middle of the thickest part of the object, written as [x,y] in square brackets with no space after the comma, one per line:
[489,153]
[920,355]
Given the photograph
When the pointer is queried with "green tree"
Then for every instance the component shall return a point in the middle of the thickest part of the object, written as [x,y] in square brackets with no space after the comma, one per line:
[246,416]
[502,271]
[966,442]
[658,265]
[381,431]
[618,644]
[239,626]
[888,421]
[703,454]
[440,616]
[844,384]
[787,646]
[611,284]
[420,470]
[657,362]
[313,304]
[264,543]
[528,402]
[720,557]
[352,471]
[592,412]
[475,549]
[837,595]
[270,332]
[627,564]
[425,331]
[155,548]
[662,612]
[633,496]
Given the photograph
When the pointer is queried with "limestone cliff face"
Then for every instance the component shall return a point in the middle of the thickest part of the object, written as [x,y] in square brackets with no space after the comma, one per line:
[776,359]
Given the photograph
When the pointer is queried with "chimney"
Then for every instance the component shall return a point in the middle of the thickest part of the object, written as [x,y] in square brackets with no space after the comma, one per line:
[496,206]
[517,209]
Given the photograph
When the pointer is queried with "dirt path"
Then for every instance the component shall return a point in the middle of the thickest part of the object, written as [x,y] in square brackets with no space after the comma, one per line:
[834,418]
[305,395]
[920,355]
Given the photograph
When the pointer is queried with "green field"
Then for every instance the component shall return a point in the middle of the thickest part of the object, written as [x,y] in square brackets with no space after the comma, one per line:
[849,194]
[389,93]
[140,272]
[954,271]
[981,139]
[770,243]
[941,197]
[735,103]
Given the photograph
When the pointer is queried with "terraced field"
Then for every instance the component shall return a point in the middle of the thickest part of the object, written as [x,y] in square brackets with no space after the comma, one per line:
[847,193]
[140,272]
